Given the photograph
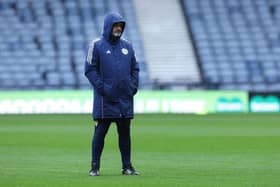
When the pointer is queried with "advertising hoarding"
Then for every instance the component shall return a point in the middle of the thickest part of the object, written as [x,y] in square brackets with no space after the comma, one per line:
[199,102]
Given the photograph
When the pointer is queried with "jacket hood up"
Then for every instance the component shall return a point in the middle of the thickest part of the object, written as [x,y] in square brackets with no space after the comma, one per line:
[109,21]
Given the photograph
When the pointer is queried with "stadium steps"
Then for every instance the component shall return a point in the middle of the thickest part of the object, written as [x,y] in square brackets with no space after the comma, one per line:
[168,48]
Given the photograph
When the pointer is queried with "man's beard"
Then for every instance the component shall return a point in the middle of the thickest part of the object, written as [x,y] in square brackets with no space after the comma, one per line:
[117,34]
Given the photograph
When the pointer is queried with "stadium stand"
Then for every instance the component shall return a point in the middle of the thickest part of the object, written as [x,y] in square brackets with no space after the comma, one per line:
[237,42]
[43,43]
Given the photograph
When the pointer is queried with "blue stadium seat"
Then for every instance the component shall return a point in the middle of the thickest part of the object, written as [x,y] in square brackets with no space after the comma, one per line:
[47,40]
[238,40]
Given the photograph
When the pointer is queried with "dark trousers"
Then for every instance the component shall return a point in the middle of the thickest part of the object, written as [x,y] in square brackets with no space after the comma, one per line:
[101,129]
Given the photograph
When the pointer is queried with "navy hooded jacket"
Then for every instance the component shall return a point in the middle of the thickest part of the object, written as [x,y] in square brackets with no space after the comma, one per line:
[112,70]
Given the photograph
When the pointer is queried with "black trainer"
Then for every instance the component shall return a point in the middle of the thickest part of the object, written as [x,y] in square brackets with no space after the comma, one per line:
[94,170]
[129,170]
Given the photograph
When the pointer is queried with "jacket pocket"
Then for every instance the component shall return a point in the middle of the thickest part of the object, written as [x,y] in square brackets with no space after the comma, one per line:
[134,89]
[109,88]
[129,89]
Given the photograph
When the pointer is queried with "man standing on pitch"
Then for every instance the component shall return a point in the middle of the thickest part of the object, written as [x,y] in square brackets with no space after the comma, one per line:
[112,70]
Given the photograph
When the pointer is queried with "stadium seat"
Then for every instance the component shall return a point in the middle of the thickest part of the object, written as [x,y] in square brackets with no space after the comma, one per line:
[46,41]
[237,42]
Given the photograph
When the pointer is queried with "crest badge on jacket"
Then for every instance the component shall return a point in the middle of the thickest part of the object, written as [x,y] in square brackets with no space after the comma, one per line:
[124,51]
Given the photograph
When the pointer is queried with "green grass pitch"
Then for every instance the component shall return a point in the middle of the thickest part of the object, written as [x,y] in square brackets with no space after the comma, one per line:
[169,150]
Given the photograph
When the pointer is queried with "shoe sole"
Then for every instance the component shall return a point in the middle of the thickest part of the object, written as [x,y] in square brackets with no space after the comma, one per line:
[131,174]
[94,175]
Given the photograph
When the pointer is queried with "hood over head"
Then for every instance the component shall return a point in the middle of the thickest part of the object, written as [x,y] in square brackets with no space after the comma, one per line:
[109,21]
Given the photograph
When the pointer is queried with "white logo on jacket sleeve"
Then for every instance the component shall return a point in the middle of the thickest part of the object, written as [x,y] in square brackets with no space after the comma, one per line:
[90,51]
[108,52]
[124,51]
